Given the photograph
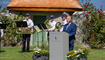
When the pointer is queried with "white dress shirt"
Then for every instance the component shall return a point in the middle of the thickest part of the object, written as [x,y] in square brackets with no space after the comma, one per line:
[52,24]
[64,22]
[29,23]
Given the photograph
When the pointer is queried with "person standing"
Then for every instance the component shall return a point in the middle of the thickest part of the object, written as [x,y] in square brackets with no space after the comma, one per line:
[26,37]
[70,28]
[64,20]
[1,34]
[52,23]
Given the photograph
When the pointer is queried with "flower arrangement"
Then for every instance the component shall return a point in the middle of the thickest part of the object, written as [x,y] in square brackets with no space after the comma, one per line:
[80,53]
[39,52]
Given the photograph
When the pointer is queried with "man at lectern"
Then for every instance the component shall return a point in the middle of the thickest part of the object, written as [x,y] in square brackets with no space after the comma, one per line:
[26,37]
[70,28]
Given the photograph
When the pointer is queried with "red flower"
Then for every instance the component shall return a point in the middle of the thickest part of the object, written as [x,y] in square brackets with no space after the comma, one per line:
[94,37]
[99,11]
[91,4]
[89,39]
[102,16]
[86,6]
[90,35]
[88,13]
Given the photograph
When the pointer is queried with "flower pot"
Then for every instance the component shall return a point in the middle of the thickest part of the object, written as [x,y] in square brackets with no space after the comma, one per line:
[83,58]
[40,58]
[77,59]
[44,57]
[80,59]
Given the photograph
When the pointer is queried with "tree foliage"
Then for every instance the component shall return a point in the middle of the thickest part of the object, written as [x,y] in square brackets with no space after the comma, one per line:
[10,38]
[94,26]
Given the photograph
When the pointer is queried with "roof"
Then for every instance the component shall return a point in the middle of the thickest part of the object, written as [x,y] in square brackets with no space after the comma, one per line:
[46,4]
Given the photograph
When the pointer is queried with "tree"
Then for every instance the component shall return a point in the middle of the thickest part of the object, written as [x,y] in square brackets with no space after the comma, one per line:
[94,26]
[11,38]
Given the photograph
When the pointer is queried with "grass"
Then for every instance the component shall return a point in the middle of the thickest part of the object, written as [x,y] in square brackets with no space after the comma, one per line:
[13,53]
[96,54]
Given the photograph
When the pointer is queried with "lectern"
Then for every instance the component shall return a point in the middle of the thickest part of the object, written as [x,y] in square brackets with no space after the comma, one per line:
[58,45]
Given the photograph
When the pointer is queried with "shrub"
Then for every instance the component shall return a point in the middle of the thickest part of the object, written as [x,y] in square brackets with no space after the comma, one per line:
[10,38]
[94,26]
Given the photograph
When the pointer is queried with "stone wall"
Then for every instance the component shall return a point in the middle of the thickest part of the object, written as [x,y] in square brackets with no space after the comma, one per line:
[78,18]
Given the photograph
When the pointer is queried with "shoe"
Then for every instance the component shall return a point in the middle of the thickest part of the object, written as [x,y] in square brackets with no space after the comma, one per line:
[28,51]
[22,51]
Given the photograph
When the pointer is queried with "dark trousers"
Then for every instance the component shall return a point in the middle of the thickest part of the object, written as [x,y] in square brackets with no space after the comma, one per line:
[71,43]
[26,38]
[0,42]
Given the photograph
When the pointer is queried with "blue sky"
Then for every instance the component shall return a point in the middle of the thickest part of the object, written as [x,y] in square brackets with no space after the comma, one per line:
[97,3]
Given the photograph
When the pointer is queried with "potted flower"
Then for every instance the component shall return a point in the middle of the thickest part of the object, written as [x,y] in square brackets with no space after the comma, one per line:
[71,55]
[80,54]
[40,54]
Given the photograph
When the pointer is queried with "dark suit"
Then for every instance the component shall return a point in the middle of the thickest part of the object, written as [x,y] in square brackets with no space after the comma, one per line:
[71,30]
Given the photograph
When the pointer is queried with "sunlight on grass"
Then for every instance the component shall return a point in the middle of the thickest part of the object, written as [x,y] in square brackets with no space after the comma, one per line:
[14,53]
[96,54]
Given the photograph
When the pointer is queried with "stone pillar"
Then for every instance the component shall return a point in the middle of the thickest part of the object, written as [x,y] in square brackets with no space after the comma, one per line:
[58,45]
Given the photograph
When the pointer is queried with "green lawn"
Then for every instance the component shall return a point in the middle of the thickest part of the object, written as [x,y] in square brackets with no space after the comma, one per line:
[96,54]
[13,53]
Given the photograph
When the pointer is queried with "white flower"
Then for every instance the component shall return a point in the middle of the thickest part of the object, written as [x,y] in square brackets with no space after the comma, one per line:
[77,55]
[68,56]
[83,53]
[75,51]
[37,51]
